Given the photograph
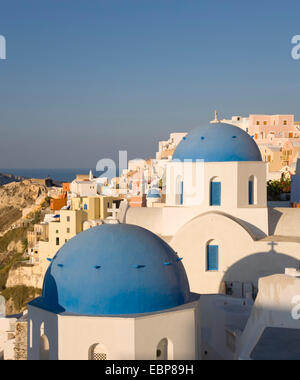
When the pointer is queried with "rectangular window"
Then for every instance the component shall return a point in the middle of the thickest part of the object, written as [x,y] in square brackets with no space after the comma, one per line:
[68,230]
[215,194]
[212,258]
[57,241]
[251,200]
[181,192]
[68,218]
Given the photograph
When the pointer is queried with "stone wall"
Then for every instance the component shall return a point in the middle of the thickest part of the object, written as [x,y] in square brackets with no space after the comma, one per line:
[21,338]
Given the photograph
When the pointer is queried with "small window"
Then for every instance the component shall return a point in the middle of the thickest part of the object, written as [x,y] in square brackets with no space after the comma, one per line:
[85,207]
[265,123]
[68,218]
[68,230]
[257,123]
[57,241]
[285,122]
[57,231]
[181,192]
[212,258]
[215,193]
[250,191]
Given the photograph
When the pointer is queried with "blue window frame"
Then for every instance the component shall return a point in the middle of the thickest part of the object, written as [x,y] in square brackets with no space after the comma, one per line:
[212,258]
[251,198]
[215,193]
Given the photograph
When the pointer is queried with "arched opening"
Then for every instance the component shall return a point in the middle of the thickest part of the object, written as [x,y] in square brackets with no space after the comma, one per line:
[44,344]
[212,256]
[215,192]
[164,350]
[98,352]
[179,190]
[252,190]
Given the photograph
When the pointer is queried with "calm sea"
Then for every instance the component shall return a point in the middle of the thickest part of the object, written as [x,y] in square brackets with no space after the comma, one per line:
[63,175]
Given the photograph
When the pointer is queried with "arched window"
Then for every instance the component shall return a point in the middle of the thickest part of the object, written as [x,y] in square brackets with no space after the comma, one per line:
[164,350]
[44,344]
[212,256]
[215,192]
[97,352]
[252,190]
[179,190]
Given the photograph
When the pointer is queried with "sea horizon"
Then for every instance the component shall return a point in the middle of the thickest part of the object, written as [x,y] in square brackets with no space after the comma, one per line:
[56,174]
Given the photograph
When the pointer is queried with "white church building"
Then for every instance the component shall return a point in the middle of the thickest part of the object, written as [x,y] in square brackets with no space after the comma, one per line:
[216,215]
[109,290]
[179,282]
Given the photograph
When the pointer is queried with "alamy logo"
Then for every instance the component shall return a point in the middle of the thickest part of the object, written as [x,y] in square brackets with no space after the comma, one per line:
[296,48]
[2,47]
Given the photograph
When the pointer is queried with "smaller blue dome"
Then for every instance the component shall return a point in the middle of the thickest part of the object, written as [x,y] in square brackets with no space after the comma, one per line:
[116,269]
[154,193]
[217,142]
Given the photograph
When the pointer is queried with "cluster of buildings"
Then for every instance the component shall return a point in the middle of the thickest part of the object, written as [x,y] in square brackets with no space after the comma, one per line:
[277,137]
[79,205]
[181,257]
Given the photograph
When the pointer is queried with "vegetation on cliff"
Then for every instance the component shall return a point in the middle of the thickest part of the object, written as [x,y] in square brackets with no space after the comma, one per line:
[18,298]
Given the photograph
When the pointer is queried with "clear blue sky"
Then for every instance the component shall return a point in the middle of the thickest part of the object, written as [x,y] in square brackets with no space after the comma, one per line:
[85,78]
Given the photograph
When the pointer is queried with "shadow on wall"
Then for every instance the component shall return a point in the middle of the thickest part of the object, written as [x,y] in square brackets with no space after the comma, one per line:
[274,217]
[257,265]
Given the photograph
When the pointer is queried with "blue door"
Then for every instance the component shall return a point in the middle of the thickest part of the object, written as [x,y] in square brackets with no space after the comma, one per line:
[215,194]
[251,200]
[212,257]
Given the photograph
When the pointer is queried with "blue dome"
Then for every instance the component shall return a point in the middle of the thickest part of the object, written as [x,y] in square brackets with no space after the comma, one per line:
[154,193]
[114,270]
[217,142]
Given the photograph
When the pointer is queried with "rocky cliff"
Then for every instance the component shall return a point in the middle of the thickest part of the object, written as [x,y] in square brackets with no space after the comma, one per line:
[17,196]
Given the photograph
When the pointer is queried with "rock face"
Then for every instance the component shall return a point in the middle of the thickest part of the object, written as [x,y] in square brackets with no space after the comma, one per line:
[17,196]
[21,194]
[30,276]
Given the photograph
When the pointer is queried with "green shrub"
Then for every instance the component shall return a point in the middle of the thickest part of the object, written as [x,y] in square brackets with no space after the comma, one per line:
[21,295]
[6,267]
[12,235]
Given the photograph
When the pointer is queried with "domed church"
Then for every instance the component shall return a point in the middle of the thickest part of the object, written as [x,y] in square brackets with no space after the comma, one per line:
[216,214]
[115,292]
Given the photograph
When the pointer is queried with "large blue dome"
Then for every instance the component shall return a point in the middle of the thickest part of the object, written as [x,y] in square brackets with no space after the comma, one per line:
[114,270]
[217,142]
